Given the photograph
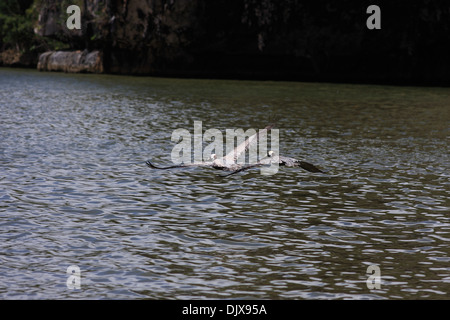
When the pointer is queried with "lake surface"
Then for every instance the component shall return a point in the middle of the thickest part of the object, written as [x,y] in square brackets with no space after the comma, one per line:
[75,191]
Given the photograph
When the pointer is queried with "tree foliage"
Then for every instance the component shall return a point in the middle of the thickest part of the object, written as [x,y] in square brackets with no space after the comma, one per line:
[16,29]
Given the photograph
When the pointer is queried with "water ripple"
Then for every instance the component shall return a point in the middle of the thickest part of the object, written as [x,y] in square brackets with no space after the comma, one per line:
[75,191]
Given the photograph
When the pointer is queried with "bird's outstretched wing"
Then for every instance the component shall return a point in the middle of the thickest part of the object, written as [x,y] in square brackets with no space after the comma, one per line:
[250,166]
[195,164]
[232,156]
[291,162]
[309,167]
[151,165]
[263,162]
[302,164]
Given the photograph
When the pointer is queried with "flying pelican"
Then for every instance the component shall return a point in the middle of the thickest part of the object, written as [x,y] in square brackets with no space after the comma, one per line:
[229,161]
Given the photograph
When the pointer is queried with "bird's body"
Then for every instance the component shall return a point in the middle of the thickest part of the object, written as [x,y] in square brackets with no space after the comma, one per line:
[229,162]
[282,161]
[216,163]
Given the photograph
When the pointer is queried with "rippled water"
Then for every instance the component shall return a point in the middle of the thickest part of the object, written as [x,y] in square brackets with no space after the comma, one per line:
[74,190]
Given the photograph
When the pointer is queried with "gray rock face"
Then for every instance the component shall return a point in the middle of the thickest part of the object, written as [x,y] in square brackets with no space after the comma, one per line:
[71,61]
[137,37]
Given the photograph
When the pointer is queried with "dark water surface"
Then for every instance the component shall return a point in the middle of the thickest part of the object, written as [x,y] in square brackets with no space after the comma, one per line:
[74,190]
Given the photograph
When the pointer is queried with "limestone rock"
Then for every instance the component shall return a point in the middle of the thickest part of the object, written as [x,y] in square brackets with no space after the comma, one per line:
[71,61]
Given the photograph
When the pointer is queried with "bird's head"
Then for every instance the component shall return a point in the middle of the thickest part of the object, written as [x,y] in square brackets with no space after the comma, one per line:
[213,156]
[270,153]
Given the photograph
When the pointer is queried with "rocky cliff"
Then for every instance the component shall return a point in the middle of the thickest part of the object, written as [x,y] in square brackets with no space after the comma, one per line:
[136,37]
[264,39]
[71,61]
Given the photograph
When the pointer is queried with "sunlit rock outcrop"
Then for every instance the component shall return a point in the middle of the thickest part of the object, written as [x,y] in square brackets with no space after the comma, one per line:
[71,61]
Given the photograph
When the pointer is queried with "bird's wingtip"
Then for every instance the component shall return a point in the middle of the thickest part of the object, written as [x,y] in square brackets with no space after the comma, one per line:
[310,167]
[149,164]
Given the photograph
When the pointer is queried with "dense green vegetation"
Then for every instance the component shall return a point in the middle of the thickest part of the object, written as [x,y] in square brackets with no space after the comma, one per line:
[17,19]
[16,30]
